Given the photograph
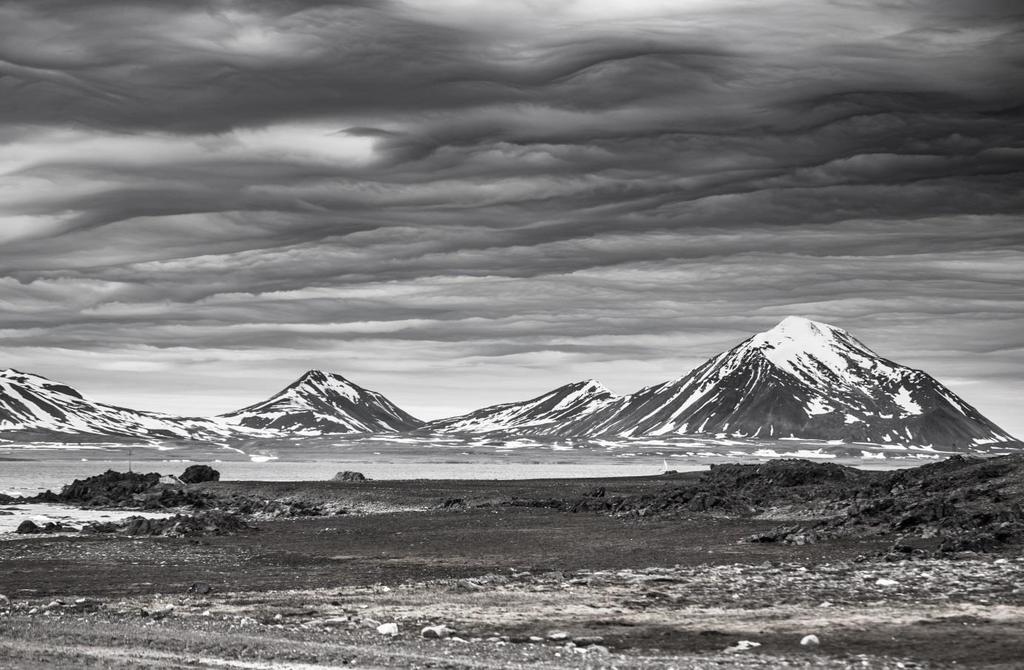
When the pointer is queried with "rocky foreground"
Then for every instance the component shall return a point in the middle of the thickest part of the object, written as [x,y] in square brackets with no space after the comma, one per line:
[785,564]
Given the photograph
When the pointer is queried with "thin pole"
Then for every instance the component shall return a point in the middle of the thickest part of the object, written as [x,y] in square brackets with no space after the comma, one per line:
[129,459]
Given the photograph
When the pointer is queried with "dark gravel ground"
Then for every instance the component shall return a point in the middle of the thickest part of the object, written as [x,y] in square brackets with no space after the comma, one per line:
[662,580]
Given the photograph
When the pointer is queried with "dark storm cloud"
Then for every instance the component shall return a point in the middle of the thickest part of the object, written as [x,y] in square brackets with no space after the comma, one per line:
[572,189]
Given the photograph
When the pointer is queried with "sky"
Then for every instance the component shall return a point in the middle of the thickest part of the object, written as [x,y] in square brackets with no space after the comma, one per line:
[460,202]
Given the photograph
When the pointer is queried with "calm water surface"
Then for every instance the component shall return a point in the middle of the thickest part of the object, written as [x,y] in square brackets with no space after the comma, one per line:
[31,477]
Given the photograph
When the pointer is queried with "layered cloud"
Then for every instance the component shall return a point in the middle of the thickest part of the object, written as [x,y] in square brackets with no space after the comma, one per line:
[460,202]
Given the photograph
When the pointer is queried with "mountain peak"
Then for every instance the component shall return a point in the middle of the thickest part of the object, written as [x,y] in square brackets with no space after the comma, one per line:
[798,329]
[798,345]
[321,402]
[590,386]
[317,375]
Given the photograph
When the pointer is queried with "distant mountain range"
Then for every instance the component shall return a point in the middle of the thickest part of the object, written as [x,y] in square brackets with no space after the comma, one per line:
[800,379]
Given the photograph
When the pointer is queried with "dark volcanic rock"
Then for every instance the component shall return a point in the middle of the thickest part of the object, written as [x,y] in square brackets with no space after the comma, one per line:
[28,527]
[961,504]
[179,525]
[108,488]
[350,476]
[129,490]
[197,474]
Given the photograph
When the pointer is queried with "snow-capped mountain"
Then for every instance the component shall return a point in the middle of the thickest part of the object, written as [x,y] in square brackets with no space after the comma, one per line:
[38,406]
[808,380]
[319,403]
[553,414]
[800,379]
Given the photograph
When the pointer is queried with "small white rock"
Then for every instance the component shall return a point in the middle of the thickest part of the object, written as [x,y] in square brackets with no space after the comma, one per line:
[436,632]
[388,629]
[884,581]
[743,645]
[809,641]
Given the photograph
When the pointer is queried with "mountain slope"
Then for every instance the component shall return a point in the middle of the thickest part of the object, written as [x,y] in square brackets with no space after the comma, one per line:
[553,414]
[36,405]
[808,380]
[319,403]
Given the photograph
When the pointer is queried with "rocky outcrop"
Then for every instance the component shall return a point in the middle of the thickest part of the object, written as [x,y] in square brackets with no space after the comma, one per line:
[197,474]
[179,525]
[349,476]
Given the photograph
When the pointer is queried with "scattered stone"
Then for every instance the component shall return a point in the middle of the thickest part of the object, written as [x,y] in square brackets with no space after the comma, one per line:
[388,629]
[558,635]
[350,476]
[332,621]
[197,474]
[742,645]
[809,641]
[161,611]
[436,632]
[200,588]
[5,603]
[85,605]
[886,582]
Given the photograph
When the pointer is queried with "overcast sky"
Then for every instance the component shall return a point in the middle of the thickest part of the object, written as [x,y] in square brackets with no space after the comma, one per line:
[460,202]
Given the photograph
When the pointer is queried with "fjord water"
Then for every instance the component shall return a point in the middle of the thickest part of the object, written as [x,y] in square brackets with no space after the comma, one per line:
[30,468]
[30,477]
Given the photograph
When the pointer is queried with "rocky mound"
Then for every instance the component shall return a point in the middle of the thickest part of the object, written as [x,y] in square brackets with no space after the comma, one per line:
[179,525]
[961,504]
[737,489]
[197,474]
[149,492]
[131,490]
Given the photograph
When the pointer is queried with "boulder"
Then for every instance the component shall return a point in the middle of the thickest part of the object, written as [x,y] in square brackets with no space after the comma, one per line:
[388,629]
[28,526]
[809,641]
[436,632]
[743,645]
[197,474]
[350,476]
[200,588]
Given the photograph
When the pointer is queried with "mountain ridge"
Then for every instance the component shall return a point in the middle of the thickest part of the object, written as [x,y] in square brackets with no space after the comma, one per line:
[801,379]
